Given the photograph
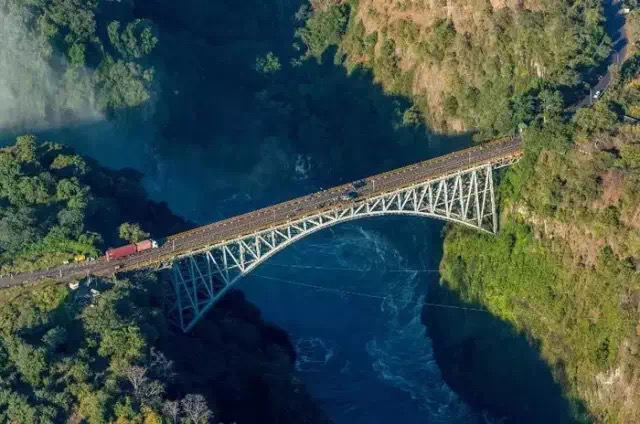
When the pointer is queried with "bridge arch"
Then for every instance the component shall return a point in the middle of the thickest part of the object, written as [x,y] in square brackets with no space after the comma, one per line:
[200,278]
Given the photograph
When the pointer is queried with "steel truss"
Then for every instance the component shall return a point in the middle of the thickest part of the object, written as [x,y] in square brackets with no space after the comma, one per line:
[201,278]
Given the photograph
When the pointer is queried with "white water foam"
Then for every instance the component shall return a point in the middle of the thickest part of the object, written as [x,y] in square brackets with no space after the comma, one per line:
[313,353]
[400,351]
[302,166]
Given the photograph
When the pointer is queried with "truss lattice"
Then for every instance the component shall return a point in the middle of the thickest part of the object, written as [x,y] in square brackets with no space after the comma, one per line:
[201,278]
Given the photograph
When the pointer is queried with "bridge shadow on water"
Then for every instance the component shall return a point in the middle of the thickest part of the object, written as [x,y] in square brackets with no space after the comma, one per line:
[495,367]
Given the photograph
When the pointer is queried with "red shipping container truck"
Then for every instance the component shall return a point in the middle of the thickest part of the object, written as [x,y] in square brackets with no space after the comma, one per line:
[120,252]
[130,249]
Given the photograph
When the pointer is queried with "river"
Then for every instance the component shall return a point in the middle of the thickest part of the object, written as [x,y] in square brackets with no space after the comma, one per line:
[224,143]
[350,297]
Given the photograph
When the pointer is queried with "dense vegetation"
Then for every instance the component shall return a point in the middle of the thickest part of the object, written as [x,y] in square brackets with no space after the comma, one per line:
[481,65]
[564,269]
[105,352]
[72,60]
[111,357]
[56,204]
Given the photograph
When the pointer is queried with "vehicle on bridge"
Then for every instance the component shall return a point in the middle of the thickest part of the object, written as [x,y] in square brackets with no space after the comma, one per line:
[429,188]
[349,195]
[359,184]
[130,249]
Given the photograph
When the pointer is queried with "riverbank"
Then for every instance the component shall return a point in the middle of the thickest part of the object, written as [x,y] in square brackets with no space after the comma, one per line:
[491,365]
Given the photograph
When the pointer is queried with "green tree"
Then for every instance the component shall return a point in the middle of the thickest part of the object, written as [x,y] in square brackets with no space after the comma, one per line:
[451,105]
[55,338]
[18,228]
[630,155]
[325,27]
[551,104]
[132,232]
[135,41]
[596,119]
[523,109]
[25,148]
[122,84]
[77,54]
[70,165]
[268,64]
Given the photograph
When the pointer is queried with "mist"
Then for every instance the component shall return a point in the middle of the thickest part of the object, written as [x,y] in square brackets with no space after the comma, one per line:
[33,95]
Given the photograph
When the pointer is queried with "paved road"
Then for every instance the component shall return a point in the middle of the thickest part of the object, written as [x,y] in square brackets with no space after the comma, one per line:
[269,217]
[616,30]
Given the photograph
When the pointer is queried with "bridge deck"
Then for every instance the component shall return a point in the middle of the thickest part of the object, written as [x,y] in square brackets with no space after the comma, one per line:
[496,152]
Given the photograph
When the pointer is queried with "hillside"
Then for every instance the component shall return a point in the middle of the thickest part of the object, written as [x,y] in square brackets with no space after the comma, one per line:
[55,204]
[72,62]
[469,64]
[104,352]
[560,281]
[564,271]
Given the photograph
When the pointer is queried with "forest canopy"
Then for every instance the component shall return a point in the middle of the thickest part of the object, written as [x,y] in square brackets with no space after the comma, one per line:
[68,60]
[564,268]
[106,353]
[55,204]
[467,64]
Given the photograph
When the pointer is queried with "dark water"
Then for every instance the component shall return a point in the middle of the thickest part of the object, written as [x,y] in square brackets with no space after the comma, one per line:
[368,360]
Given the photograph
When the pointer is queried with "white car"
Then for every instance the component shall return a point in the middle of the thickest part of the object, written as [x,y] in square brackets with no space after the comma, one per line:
[595,96]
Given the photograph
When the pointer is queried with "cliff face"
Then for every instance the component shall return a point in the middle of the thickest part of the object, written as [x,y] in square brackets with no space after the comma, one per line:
[564,270]
[472,64]
[560,280]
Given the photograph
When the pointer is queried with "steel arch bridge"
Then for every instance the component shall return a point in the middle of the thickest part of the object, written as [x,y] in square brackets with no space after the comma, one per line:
[199,279]
[206,261]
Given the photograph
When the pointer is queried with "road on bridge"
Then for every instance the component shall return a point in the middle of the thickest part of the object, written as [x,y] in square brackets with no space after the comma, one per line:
[202,237]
